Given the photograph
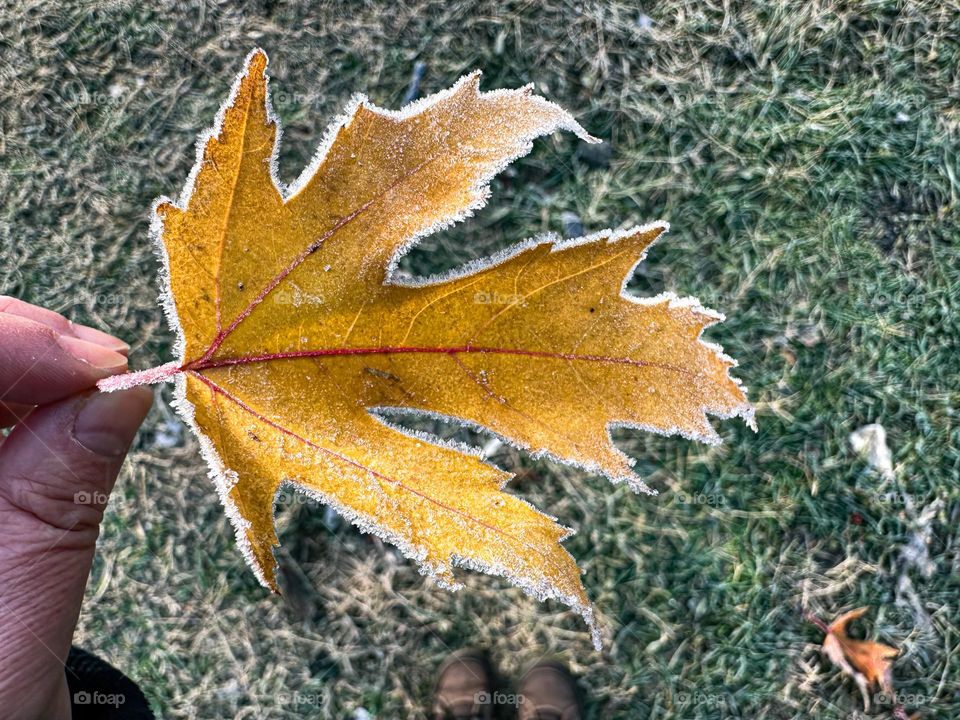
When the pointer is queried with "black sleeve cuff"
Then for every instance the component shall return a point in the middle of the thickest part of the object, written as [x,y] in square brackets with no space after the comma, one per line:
[98,691]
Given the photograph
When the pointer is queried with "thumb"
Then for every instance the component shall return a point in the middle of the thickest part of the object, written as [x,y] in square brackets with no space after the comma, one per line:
[57,468]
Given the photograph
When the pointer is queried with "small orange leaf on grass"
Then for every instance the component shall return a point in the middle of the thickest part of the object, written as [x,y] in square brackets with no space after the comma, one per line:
[867,662]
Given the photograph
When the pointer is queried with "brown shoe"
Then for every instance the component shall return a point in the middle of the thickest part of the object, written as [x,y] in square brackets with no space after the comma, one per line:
[548,692]
[464,688]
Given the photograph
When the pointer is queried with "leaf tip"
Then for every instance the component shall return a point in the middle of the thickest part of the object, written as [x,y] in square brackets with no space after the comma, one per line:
[587,137]
[635,483]
[648,233]
[571,125]
[589,617]
[469,83]
[257,60]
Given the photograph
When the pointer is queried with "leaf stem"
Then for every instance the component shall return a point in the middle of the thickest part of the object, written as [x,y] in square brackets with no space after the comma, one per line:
[141,377]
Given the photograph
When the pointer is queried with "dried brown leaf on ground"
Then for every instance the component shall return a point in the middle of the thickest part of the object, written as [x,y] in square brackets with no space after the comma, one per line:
[869,663]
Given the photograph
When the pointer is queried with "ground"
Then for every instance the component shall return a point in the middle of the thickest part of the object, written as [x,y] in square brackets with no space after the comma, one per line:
[806,156]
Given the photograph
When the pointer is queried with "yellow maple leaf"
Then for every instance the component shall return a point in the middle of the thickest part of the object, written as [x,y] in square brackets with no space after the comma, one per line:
[292,331]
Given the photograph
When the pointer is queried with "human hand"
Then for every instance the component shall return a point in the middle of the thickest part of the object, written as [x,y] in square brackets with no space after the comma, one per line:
[57,468]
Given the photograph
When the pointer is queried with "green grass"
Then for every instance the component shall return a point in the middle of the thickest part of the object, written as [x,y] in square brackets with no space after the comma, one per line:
[806,155]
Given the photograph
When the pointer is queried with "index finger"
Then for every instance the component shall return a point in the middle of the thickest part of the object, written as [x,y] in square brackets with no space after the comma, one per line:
[39,365]
[57,322]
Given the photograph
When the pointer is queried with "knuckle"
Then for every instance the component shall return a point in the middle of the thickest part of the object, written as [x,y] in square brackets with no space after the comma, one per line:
[63,509]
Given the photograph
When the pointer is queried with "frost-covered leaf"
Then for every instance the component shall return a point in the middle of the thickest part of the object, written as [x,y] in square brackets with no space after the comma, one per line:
[295,338]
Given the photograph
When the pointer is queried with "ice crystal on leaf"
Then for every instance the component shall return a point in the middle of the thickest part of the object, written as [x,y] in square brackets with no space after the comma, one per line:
[294,337]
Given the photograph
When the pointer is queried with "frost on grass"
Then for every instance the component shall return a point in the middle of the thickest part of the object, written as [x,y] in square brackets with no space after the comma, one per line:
[870,441]
[296,338]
